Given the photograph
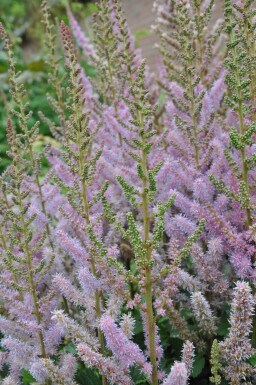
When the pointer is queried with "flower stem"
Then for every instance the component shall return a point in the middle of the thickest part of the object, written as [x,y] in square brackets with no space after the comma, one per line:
[148,284]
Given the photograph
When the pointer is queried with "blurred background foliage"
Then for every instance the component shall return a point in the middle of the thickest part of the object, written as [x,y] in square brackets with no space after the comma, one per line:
[22,21]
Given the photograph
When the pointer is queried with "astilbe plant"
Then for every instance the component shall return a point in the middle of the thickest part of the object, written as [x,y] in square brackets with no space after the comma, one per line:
[194,93]
[187,112]
[139,121]
[238,182]
[80,230]
[194,138]
[26,244]
[140,126]
[78,171]
[127,228]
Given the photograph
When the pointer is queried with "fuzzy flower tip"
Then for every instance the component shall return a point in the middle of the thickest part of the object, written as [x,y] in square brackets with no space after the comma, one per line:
[178,375]
[105,365]
[188,356]
[203,313]
[126,351]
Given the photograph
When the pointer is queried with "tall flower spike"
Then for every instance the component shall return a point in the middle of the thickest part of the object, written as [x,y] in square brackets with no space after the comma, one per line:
[56,79]
[143,241]
[187,36]
[126,352]
[181,371]
[82,40]
[215,363]
[241,82]
[81,155]
[203,313]
[112,35]
[189,82]
[24,141]
[105,365]
[236,348]
[25,267]
[188,356]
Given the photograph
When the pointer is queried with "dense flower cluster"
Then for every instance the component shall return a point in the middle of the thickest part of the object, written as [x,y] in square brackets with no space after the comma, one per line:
[142,231]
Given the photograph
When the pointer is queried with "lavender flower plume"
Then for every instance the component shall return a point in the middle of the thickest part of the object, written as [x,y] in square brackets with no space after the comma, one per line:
[178,375]
[126,352]
[106,366]
[82,40]
[203,313]
[236,348]
[188,356]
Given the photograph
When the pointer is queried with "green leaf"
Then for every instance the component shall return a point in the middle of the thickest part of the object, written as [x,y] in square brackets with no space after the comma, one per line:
[87,376]
[224,325]
[138,327]
[137,376]
[91,8]
[198,366]
[64,2]
[139,34]
[252,360]
[38,65]
[142,32]
[27,378]
[70,348]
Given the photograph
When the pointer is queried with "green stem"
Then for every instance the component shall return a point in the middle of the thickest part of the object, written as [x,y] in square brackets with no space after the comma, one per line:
[148,284]
[23,122]
[243,150]
[113,93]
[200,45]
[30,270]
[244,167]
[98,299]
[194,123]
[33,292]
[251,54]
[250,39]
[24,127]
[14,276]
[98,295]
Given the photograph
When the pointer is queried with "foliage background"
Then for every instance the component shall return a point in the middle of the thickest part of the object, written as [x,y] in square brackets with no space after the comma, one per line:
[22,20]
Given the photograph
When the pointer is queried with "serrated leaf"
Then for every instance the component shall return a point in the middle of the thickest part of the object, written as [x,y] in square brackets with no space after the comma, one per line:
[223,325]
[87,376]
[27,378]
[137,376]
[138,328]
[70,348]
[198,366]
[252,360]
